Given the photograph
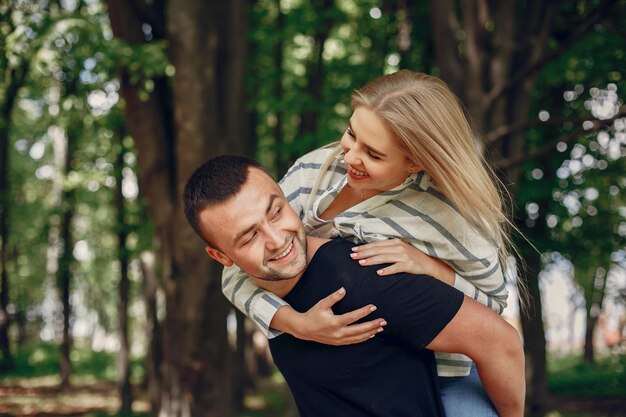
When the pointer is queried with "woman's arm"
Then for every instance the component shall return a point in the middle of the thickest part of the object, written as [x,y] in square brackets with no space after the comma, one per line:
[256,303]
[485,285]
[273,315]
[321,325]
[402,257]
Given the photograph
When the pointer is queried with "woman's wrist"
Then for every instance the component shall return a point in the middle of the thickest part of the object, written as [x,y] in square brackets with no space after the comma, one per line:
[444,273]
[286,320]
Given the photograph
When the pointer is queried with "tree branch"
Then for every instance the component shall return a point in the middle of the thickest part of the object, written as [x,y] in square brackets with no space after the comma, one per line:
[150,15]
[533,67]
[445,27]
[550,147]
[501,132]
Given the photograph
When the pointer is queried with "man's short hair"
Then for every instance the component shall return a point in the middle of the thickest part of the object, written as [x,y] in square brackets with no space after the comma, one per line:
[215,182]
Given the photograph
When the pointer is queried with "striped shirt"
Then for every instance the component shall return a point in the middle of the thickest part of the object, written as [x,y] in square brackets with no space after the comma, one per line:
[414,211]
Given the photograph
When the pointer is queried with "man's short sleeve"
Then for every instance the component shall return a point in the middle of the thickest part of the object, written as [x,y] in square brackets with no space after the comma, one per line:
[416,307]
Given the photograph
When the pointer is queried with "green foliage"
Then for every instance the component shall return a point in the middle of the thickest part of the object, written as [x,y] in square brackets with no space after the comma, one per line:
[571,200]
[570,377]
[41,359]
[358,48]
[70,96]
[71,93]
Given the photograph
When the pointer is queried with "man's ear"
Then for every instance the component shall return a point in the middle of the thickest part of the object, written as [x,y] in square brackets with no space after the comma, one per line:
[219,256]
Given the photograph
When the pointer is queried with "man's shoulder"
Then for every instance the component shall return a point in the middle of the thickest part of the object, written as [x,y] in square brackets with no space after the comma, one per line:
[332,251]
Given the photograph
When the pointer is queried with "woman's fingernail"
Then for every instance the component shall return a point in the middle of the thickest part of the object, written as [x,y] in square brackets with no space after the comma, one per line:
[373,308]
[352,255]
[380,271]
[362,261]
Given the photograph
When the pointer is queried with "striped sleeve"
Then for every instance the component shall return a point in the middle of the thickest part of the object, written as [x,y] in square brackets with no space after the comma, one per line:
[495,300]
[427,221]
[256,303]
[297,191]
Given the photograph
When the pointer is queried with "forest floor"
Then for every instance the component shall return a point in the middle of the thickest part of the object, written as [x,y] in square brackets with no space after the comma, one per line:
[33,388]
[42,397]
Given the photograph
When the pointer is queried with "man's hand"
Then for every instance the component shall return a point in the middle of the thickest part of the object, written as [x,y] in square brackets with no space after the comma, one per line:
[321,325]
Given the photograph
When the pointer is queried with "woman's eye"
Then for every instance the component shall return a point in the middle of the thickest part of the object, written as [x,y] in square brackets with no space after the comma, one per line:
[349,132]
[373,156]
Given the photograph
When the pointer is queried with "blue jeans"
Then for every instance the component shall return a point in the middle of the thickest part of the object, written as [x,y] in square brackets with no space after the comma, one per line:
[464,396]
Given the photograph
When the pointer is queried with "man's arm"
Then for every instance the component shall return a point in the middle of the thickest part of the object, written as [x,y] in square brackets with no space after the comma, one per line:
[495,347]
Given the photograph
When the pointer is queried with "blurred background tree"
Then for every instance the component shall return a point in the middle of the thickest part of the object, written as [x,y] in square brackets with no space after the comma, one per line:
[107,107]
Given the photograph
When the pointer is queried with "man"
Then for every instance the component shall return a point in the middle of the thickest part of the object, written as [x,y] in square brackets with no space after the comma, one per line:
[244,218]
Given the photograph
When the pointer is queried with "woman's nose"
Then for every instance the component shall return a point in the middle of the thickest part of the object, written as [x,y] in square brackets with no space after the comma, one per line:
[351,157]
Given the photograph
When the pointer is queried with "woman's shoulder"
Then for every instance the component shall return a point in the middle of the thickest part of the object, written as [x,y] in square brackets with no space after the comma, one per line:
[313,161]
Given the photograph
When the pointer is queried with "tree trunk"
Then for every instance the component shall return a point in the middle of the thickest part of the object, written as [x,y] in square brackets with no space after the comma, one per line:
[534,339]
[207,48]
[123,357]
[492,77]
[15,77]
[594,308]
[242,380]
[154,356]
[282,159]
[315,72]
[66,260]
[6,361]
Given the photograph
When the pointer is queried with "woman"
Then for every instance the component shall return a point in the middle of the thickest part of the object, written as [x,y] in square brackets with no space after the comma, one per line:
[407,168]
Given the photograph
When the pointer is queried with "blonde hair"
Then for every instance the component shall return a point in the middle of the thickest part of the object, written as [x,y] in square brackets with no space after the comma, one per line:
[432,128]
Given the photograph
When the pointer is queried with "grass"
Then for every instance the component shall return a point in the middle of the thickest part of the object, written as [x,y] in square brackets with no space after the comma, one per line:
[31,387]
[42,360]
[570,377]
[580,390]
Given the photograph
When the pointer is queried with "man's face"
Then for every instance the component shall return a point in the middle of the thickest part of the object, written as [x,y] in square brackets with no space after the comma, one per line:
[258,230]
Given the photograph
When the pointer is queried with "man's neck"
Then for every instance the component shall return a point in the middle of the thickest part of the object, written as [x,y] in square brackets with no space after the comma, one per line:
[283,287]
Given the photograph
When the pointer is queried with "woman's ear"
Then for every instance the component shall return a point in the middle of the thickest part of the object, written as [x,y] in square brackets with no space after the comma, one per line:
[219,256]
[413,168]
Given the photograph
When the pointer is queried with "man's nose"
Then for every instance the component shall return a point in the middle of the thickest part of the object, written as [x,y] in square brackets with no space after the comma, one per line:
[275,239]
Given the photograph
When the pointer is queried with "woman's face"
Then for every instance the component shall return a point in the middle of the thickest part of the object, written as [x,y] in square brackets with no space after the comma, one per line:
[375,161]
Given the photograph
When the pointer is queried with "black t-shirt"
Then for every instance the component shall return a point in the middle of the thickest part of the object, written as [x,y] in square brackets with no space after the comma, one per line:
[389,375]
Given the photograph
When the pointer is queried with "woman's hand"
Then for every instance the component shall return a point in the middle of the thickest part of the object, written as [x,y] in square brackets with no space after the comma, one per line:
[403,258]
[320,324]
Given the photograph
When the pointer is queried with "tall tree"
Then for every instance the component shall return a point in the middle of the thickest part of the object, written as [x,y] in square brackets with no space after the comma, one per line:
[16,66]
[206,46]
[66,257]
[123,356]
[491,54]
[6,361]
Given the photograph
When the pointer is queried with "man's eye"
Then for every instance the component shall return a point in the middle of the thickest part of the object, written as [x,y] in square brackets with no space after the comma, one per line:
[249,239]
[276,214]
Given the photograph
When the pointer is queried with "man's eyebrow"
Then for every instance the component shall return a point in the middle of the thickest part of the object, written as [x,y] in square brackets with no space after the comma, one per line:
[247,230]
[367,146]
